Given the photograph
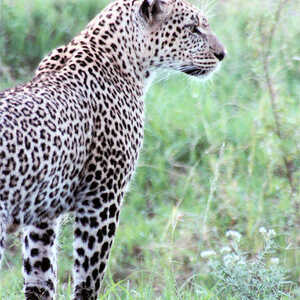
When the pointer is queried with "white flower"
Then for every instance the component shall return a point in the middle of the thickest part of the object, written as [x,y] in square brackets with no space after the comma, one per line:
[207,253]
[230,259]
[274,260]
[263,230]
[225,249]
[271,233]
[267,233]
[235,235]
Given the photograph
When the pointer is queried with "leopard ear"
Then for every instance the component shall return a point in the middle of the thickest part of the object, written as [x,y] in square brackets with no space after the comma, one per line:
[151,11]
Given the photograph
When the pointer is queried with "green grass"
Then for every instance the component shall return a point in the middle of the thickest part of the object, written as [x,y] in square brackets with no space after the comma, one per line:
[211,161]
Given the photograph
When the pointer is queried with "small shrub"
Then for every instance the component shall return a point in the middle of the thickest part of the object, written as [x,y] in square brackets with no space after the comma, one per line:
[248,277]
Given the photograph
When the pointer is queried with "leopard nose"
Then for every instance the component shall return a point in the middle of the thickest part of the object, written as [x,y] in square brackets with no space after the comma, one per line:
[216,47]
[220,55]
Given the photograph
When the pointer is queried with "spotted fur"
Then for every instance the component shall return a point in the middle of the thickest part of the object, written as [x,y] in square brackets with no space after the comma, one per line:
[70,138]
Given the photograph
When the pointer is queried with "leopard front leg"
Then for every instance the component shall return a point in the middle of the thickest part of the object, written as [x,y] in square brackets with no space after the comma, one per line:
[39,260]
[96,222]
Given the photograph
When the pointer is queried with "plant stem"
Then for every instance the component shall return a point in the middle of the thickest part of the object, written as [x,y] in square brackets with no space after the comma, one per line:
[271,89]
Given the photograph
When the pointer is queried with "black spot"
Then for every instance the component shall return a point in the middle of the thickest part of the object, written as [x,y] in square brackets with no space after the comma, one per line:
[34,236]
[77,263]
[84,221]
[104,230]
[109,184]
[91,242]
[97,284]
[103,215]
[104,249]
[80,251]
[92,168]
[111,229]
[89,178]
[34,252]
[73,67]
[94,185]
[100,236]
[50,284]
[110,172]
[85,236]
[86,264]
[50,232]
[93,222]
[98,175]
[46,239]
[95,274]
[77,232]
[96,203]
[112,210]
[27,266]
[45,264]
[95,258]
[26,242]
[92,193]
[111,196]
[88,283]
[102,267]
[104,197]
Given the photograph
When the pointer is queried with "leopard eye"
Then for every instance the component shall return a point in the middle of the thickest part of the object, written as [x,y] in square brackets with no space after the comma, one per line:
[193,28]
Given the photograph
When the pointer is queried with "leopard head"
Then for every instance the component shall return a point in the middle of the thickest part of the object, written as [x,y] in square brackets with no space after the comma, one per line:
[179,36]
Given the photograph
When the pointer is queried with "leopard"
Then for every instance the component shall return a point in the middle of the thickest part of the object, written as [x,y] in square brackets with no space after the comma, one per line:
[70,137]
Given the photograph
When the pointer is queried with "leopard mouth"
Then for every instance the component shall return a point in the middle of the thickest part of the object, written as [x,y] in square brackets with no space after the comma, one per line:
[194,71]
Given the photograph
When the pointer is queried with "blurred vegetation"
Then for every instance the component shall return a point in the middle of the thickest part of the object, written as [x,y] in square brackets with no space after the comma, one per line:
[218,156]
